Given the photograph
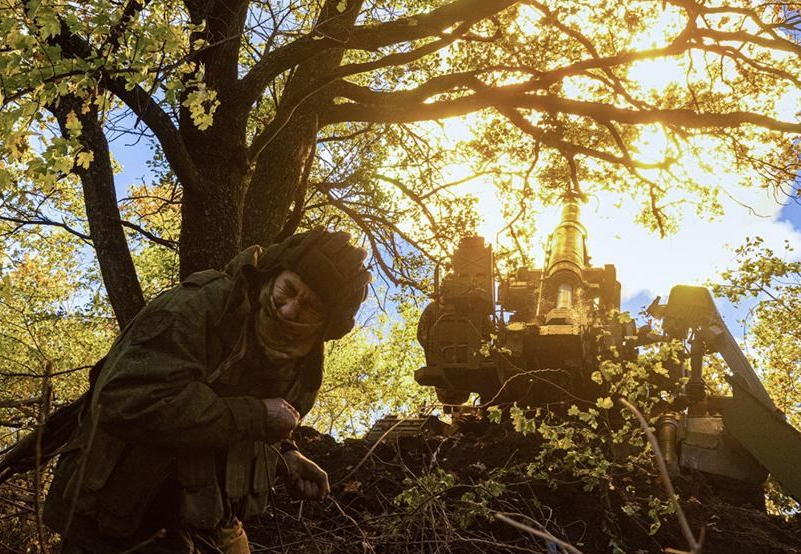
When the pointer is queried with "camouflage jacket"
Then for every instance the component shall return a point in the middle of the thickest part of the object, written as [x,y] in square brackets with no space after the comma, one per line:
[175,423]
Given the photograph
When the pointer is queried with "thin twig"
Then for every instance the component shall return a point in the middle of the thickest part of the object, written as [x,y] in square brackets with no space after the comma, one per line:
[696,546]
[541,534]
[366,546]
[44,411]
[372,448]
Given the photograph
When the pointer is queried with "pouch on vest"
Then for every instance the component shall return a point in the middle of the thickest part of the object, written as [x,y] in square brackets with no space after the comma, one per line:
[100,460]
[263,468]
[238,468]
[201,497]
[133,483]
[261,482]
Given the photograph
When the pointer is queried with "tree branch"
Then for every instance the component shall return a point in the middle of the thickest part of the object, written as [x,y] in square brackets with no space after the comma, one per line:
[141,103]
[48,222]
[272,129]
[370,37]
[157,120]
[401,112]
[171,244]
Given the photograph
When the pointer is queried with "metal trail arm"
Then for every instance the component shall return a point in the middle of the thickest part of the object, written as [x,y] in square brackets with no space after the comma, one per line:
[691,307]
[751,417]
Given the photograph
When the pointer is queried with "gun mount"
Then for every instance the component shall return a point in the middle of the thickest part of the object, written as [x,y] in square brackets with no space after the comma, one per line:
[548,330]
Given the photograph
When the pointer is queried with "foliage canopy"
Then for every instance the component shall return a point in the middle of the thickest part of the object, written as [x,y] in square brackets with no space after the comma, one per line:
[265,116]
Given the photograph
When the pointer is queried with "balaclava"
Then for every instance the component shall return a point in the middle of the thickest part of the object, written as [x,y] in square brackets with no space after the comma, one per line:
[325,260]
[329,264]
[282,339]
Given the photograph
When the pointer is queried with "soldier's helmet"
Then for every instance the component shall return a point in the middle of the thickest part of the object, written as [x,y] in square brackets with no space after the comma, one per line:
[328,263]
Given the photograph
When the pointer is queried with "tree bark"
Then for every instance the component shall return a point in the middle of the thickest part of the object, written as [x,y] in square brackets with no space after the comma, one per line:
[277,178]
[210,227]
[102,211]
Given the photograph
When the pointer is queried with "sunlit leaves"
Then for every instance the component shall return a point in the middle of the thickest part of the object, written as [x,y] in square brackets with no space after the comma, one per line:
[774,279]
[45,316]
[773,338]
[85,159]
[202,103]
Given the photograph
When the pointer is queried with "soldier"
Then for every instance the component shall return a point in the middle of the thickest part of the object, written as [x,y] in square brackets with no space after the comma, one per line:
[189,419]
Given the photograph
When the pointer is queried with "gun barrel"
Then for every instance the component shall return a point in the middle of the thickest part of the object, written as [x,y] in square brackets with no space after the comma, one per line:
[568,250]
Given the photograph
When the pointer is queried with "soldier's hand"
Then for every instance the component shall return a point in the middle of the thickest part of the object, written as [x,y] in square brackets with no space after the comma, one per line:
[282,418]
[305,479]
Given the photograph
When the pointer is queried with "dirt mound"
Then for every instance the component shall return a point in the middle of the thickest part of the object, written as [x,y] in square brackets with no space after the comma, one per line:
[438,494]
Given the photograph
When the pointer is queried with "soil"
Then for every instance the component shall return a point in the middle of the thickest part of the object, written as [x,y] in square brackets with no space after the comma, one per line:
[363,513]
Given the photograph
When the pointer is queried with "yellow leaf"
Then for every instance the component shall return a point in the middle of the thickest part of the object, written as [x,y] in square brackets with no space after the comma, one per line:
[342,6]
[5,288]
[73,125]
[85,159]
[605,403]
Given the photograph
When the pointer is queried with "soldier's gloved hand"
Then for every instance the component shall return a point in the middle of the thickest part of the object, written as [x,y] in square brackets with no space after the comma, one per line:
[305,479]
[282,418]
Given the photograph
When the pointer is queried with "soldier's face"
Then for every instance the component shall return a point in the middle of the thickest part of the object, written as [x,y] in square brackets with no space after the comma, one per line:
[295,301]
[290,318]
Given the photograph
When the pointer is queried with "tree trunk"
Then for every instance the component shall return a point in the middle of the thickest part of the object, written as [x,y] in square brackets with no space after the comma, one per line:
[210,227]
[212,208]
[211,211]
[103,213]
[277,178]
[279,169]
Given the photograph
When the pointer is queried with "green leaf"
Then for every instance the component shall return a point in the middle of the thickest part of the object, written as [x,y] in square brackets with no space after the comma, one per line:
[85,159]
[48,22]
[73,125]
[72,21]
[5,179]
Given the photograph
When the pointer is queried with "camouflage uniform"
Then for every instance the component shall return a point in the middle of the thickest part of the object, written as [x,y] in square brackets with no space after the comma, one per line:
[174,436]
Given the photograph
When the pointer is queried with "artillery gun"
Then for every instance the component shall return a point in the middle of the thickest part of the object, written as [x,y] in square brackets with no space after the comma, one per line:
[553,326]
[541,338]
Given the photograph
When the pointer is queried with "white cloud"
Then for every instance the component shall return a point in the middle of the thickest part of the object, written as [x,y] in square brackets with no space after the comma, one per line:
[697,252]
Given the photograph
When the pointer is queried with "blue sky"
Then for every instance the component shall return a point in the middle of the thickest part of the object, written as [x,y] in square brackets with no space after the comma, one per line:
[735,316]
